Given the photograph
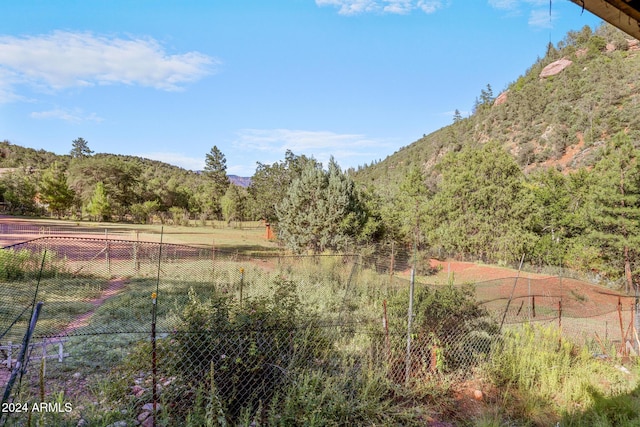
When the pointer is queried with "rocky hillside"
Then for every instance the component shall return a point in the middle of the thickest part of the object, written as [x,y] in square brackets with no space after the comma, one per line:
[582,92]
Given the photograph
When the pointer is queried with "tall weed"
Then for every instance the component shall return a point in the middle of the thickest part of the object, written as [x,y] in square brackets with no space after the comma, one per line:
[542,376]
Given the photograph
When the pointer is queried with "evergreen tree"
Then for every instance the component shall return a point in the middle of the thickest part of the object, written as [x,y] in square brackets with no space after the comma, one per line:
[486,95]
[555,216]
[615,210]
[216,170]
[54,190]
[99,206]
[19,191]
[270,183]
[233,204]
[80,148]
[457,116]
[480,207]
[321,210]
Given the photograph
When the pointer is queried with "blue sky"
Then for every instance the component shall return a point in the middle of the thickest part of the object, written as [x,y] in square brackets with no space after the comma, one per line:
[168,80]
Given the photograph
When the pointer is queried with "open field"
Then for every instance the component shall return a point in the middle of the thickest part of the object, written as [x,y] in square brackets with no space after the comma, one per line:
[249,238]
[97,295]
[494,285]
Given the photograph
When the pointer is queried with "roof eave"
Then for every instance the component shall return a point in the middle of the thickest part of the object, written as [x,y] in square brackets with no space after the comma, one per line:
[622,14]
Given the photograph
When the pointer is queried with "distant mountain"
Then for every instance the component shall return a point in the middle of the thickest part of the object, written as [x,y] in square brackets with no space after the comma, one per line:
[585,90]
[241,181]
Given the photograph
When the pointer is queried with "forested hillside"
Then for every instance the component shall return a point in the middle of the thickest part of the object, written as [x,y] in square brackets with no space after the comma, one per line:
[548,169]
[557,120]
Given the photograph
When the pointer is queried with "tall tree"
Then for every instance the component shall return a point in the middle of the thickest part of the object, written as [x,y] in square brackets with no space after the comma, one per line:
[99,206]
[479,208]
[119,178]
[615,212]
[80,148]
[270,183]
[215,170]
[321,210]
[54,190]
[19,191]
[234,203]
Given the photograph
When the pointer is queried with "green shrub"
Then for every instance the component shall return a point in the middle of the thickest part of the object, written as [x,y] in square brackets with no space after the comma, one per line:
[250,351]
[542,376]
[449,328]
[20,264]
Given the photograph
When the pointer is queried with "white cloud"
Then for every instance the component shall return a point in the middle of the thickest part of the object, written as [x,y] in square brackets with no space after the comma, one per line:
[75,116]
[176,159]
[401,7]
[65,59]
[346,148]
[540,16]
[503,4]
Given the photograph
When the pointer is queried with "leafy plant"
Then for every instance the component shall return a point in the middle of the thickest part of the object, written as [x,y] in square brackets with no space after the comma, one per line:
[250,351]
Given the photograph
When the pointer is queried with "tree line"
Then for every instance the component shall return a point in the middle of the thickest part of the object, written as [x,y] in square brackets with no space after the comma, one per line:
[475,203]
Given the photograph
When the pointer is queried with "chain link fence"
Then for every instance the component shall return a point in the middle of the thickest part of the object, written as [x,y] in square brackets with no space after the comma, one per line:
[143,333]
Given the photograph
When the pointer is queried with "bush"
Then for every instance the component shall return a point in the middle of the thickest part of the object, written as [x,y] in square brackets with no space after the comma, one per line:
[544,376]
[19,264]
[450,330]
[250,350]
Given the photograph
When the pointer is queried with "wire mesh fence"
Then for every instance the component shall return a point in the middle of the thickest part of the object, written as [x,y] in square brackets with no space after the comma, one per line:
[161,334]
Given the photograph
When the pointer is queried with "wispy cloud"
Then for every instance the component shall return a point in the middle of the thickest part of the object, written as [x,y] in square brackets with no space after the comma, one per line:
[75,116]
[65,59]
[401,7]
[348,149]
[540,15]
[504,4]
[541,18]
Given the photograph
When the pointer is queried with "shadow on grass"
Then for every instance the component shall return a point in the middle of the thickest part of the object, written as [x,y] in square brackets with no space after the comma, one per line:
[250,250]
[621,410]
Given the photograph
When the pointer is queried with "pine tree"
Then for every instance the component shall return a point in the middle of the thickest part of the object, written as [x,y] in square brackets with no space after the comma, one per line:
[457,117]
[615,210]
[216,171]
[479,208]
[99,206]
[80,148]
[55,191]
[321,210]
[233,204]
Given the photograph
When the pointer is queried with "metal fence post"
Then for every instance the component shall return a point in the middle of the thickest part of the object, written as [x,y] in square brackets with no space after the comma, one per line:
[20,362]
[407,373]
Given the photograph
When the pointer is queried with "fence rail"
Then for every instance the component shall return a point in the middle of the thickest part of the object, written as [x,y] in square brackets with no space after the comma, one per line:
[184,325]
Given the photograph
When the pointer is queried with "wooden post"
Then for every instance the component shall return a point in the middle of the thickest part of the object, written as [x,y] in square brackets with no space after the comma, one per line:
[241,285]
[533,305]
[560,315]
[136,262]
[529,293]
[621,326]
[560,323]
[44,358]
[213,254]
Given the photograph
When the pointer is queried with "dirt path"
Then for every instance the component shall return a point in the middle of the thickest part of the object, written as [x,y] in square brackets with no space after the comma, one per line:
[114,287]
